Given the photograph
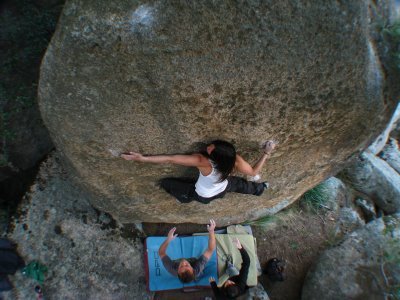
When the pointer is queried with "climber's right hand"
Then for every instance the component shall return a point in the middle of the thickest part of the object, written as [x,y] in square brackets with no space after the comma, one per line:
[132,156]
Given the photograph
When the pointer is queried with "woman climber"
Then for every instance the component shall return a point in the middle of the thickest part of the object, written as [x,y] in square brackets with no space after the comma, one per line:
[215,164]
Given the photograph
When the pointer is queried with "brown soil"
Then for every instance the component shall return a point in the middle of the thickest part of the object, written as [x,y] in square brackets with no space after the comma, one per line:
[296,235]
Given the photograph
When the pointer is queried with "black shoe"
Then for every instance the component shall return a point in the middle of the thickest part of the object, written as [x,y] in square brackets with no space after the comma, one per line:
[183,199]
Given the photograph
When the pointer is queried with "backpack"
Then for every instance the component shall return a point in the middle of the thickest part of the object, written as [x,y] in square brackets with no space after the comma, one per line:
[274,269]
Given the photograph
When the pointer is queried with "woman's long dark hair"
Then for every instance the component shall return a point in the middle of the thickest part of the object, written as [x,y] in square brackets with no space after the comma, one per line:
[223,157]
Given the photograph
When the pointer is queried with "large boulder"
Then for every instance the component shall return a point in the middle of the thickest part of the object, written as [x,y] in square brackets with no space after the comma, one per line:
[364,266]
[375,178]
[160,77]
[86,257]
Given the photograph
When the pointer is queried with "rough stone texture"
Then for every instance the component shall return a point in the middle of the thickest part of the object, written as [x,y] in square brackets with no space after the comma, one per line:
[395,133]
[348,220]
[391,154]
[340,200]
[59,228]
[378,145]
[160,77]
[257,293]
[353,269]
[374,178]
[30,144]
[367,208]
[337,193]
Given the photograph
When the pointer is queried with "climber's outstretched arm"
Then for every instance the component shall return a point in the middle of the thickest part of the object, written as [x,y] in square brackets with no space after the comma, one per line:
[190,160]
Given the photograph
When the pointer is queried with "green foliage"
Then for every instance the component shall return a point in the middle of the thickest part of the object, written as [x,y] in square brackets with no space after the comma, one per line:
[393,31]
[391,36]
[315,198]
[391,256]
[392,252]
[36,271]
[3,161]
[294,245]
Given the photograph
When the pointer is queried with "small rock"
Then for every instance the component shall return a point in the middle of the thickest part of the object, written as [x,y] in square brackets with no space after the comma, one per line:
[395,133]
[391,154]
[348,221]
[257,293]
[105,218]
[336,192]
[367,208]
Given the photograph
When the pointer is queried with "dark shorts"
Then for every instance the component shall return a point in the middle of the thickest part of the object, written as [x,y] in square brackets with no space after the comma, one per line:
[184,189]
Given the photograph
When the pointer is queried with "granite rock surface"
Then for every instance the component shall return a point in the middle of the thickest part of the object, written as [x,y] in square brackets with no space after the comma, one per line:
[391,154]
[376,179]
[364,266]
[162,77]
[86,256]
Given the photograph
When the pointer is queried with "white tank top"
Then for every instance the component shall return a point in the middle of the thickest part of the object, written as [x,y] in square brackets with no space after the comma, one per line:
[209,186]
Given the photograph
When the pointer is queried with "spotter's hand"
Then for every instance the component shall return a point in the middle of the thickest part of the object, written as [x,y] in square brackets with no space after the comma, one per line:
[211,226]
[171,234]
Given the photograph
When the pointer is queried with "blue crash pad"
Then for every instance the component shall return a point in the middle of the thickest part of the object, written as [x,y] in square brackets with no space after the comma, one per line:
[159,279]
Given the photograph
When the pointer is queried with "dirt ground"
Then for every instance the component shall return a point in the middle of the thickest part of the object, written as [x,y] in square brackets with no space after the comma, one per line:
[297,235]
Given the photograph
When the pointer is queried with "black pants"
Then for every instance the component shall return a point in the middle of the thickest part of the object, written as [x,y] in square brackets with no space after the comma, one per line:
[184,189]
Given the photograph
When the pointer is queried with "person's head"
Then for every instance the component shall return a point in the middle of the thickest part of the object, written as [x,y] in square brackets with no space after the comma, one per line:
[231,290]
[223,155]
[185,271]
